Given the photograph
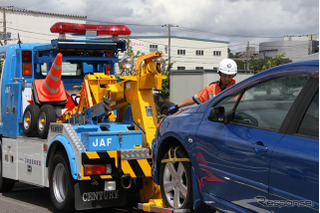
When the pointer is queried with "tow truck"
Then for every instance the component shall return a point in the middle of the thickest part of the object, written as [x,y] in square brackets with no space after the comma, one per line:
[69,123]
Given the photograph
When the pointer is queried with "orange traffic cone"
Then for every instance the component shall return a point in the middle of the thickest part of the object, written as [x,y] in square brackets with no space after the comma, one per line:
[51,89]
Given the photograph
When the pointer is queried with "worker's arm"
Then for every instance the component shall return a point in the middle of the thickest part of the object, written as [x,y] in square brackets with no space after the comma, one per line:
[175,108]
[192,100]
[187,102]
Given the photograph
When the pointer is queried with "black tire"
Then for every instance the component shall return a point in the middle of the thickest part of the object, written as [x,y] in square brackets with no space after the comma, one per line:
[6,185]
[165,107]
[30,120]
[61,184]
[172,182]
[47,115]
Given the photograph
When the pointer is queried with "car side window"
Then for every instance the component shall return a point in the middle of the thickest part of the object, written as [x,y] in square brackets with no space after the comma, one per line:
[309,126]
[265,105]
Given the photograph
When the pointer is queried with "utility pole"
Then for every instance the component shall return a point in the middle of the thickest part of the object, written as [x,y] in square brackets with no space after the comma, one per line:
[4,24]
[169,39]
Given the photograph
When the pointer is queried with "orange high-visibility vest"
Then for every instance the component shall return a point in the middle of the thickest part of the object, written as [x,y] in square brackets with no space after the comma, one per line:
[210,91]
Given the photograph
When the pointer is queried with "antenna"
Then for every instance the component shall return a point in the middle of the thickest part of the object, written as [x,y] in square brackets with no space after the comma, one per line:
[19,41]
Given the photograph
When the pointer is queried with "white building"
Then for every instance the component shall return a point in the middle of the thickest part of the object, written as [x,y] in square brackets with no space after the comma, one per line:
[295,47]
[186,53]
[32,26]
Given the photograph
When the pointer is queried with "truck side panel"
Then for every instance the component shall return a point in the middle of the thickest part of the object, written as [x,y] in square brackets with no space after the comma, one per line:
[24,159]
[9,158]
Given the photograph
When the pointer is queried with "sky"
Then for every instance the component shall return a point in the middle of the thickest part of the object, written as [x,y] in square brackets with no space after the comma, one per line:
[235,21]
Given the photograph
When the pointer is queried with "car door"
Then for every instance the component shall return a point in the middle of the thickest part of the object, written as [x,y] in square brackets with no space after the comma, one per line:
[294,168]
[234,158]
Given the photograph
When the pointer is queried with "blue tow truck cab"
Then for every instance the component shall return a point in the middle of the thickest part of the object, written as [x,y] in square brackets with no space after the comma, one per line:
[85,165]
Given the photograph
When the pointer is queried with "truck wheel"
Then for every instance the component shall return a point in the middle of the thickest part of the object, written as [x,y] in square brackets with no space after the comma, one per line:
[30,119]
[175,179]
[47,115]
[6,185]
[61,184]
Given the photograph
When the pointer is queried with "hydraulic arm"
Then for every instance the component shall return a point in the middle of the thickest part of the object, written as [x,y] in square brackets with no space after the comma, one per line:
[136,91]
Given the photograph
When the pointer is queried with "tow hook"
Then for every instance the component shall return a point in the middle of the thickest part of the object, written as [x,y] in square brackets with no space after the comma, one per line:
[94,182]
[126,181]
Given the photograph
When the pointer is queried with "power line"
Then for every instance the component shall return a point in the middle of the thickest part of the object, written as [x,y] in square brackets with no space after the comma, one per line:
[183,29]
[129,24]
[27,31]
[150,42]
[174,46]
[231,35]
[193,30]
[47,34]
[228,35]
[46,40]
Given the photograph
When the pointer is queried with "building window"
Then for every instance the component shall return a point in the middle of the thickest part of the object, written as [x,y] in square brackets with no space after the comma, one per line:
[181,68]
[199,68]
[199,52]
[216,53]
[153,47]
[181,52]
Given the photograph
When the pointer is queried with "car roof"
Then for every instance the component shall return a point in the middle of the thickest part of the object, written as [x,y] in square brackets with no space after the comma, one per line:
[308,66]
[311,61]
[312,57]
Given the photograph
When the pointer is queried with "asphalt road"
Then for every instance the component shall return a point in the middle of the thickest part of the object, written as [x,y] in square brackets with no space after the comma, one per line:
[25,198]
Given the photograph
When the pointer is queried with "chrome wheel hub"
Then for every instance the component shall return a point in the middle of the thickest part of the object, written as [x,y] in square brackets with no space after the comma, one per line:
[60,183]
[175,182]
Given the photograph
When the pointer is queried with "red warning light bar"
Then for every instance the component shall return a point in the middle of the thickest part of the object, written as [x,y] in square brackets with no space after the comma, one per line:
[81,29]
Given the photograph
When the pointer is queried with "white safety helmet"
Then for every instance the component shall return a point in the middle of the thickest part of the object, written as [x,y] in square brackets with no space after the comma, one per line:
[228,67]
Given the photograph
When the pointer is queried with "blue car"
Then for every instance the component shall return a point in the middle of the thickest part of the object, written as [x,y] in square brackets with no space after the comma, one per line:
[252,148]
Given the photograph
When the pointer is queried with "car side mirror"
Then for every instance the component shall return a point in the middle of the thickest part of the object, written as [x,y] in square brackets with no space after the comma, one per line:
[218,114]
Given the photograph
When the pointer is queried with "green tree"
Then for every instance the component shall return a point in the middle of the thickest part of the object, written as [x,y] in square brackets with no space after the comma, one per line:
[237,55]
[240,64]
[278,60]
[231,55]
[265,63]
[257,64]
[165,92]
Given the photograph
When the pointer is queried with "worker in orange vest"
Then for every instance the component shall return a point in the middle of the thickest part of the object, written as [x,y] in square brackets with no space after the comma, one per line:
[227,70]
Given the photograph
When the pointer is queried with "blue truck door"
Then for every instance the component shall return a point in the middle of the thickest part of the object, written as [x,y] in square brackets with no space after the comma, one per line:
[12,109]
